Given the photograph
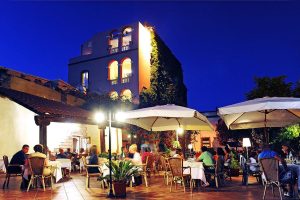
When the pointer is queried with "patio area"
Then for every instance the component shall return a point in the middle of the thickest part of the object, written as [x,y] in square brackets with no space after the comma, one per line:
[74,189]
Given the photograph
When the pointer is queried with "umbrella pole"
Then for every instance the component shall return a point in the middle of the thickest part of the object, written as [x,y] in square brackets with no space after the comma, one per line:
[265,129]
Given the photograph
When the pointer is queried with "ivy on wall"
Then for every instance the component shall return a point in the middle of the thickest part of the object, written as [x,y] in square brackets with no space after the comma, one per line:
[167,86]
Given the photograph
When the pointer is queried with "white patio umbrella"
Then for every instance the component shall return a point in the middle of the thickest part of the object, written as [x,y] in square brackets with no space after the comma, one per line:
[168,117]
[262,113]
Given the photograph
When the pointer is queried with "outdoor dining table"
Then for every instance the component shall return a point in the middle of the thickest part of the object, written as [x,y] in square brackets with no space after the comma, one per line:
[197,170]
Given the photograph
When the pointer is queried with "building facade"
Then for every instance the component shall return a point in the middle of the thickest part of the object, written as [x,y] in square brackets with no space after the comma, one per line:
[115,62]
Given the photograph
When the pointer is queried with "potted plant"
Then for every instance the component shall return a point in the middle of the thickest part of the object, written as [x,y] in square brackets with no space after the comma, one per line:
[234,166]
[122,171]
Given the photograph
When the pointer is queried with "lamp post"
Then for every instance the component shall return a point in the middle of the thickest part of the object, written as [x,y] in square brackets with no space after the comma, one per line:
[179,131]
[99,117]
[246,143]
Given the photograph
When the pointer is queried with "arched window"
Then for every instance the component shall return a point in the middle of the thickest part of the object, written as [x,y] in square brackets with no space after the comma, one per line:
[113,72]
[126,38]
[126,70]
[126,95]
[85,79]
[113,95]
[113,42]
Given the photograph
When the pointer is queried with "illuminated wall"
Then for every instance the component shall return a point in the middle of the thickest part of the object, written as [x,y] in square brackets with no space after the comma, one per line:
[17,127]
[144,57]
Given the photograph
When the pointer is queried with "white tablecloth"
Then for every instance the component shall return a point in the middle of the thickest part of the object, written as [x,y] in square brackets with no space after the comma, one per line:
[65,163]
[197,170]
[2,166]
[56,169]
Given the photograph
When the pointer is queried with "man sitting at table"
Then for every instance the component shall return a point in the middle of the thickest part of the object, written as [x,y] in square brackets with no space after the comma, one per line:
[205,157]
[61,154]
[19,158]
[285,176]
[38,152]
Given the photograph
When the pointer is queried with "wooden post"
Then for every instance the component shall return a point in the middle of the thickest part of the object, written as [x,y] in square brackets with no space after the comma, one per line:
[42,123]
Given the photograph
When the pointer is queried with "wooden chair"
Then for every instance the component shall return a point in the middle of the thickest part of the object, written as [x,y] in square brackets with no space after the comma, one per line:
[270,167]
[218,174]
[36,167]
[176,166]
[89,174]
[166,169]
[11,170]
[145,172]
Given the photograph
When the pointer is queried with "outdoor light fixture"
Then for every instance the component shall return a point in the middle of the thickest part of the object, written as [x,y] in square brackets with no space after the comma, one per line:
[99,117]
[190,146]
[179,131]
[246,143]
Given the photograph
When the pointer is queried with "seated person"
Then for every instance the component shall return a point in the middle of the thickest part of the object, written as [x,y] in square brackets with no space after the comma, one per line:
[93,160]
[178,154]
[147,152]
[19,158]
[136,159]
[290,181]
[287,153]
[205,157]
[69,154]
[61,154]
[254,167]
[38,152]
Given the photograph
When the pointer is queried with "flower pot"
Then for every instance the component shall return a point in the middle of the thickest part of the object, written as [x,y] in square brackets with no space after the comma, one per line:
[234,172]
[119,189]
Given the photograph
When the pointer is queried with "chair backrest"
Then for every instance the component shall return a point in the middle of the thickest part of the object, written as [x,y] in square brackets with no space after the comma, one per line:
[219,164]
[36,165]
[5,160]
[149,162]
[84,160]
[270,167]
[163,163]
[176,165]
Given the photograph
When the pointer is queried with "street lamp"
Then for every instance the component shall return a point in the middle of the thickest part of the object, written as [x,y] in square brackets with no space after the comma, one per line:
[100,118]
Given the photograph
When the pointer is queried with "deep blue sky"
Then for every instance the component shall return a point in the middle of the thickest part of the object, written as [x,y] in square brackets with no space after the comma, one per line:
[221,45]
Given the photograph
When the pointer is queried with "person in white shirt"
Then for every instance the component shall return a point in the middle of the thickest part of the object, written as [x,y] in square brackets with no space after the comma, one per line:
[254,167]
[137,159]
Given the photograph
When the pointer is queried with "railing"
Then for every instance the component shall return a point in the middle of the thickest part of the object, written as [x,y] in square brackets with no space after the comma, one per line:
[114,82]
[125,80]
[125,48]
[114,50]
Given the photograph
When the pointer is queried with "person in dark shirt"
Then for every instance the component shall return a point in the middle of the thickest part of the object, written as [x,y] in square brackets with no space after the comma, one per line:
[61,154]
[18,159]
[93,160]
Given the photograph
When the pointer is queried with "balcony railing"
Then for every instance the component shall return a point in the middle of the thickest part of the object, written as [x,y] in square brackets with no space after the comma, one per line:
[125,80]
[125,48]
[114,82]
[113,50]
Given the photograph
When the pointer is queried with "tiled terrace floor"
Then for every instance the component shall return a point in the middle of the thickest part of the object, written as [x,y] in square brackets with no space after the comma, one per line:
[74,189]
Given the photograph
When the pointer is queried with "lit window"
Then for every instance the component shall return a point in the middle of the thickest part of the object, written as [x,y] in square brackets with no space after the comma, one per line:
[114,95]
[85,79]
[126,70]
[126,39]
[113,72]
[113,42]
[126,95]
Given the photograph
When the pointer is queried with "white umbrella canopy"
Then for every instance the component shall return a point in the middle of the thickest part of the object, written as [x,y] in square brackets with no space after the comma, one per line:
[168,117]
[261,113]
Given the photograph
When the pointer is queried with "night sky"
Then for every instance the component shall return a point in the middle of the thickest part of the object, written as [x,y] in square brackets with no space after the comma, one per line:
[222,45]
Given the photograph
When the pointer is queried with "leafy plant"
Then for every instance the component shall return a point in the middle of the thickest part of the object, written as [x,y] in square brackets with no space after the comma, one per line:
[122,170]
[234,163]
[103,155]
[176,145]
